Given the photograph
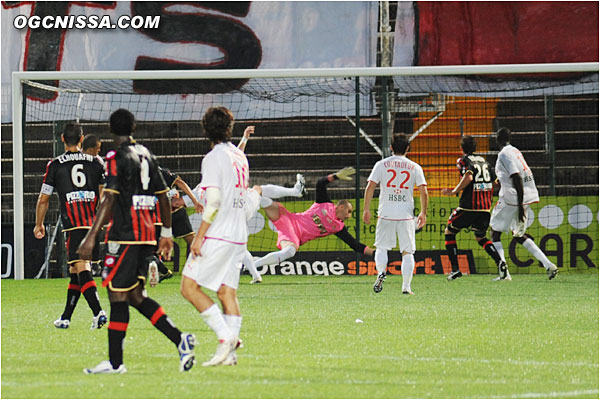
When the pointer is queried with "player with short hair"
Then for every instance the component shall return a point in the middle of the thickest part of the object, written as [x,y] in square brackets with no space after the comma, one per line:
[322,219]
[475,203]
[397,176]
[78,179]
[129,202]
[220,243]
[517,192]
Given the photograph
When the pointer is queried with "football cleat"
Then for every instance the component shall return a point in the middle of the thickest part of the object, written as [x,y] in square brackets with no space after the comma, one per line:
[378,286]
[503,274]
[299,186]
[256,280]
[62,323]
[552,271]
[454,275]
[231,359]
[153,276]
[99,320]
[105,367]
[187,358]
[407,291]
[224,348]
[163,277]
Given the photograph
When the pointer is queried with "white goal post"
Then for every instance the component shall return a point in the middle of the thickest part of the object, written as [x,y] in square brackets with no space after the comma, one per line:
[19,77]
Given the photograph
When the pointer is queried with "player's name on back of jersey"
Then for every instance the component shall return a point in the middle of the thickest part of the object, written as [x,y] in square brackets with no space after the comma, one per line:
[63,158]
[81,195]
[398,164]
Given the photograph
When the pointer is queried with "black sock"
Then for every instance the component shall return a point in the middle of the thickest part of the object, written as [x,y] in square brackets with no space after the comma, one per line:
[161,267]
[117,328]
[489,248]
[155,313]
[452,251]
[73,294]
[89,290]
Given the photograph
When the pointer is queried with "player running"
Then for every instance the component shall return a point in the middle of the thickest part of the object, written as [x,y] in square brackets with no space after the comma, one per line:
[397,176]
[517,192]
[220,243]
[322,219]
[474,207]
[129,202]
[78,179]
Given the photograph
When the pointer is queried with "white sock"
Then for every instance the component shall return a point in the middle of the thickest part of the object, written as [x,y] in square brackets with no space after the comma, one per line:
[214,319]
[381,260]
[275,191]
[276,257]
[248,261]
[265,202]
[537,252]
[500,250]
[234,323]
[408,266]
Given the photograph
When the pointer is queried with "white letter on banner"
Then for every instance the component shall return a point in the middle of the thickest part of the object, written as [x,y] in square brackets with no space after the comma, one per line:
[300,264]
[336,268]
[320,268]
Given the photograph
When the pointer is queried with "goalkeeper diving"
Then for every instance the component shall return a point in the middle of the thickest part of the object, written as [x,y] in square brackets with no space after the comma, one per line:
[322,219]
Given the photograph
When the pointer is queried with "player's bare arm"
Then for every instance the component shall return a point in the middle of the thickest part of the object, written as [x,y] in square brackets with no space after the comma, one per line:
[41,208]
[369,191]
[181,184]
[464,182]
[165,244]
[424,198]
[247,132]
[518,184]
[104,213]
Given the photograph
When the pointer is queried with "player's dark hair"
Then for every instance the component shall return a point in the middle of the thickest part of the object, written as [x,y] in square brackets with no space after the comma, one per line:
[468,144]
[90,142]
[218,124]
[122,122]
[72,133]
[503,136]
[400,143]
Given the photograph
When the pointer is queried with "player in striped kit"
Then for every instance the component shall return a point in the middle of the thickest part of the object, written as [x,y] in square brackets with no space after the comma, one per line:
[517,192]
[397,177]
[473,209]
[78,179]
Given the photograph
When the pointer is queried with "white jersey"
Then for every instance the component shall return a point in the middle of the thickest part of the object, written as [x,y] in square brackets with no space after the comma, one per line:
[511,161]
[397,176]
[226,168]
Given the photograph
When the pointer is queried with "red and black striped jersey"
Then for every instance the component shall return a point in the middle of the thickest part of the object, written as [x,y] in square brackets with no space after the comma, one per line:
[478,194]
[132,174]
[76,177]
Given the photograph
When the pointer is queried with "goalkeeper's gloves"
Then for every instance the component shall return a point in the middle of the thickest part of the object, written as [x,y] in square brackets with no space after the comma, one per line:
[345,174]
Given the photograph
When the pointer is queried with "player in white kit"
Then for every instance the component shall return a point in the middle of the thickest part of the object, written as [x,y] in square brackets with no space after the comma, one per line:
[517,192]
[220,243]
[397,176]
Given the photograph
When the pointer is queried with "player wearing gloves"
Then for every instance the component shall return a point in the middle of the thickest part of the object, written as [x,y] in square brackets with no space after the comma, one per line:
[322,219]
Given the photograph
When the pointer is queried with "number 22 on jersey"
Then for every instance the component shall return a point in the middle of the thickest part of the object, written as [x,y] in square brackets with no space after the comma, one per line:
[403,177]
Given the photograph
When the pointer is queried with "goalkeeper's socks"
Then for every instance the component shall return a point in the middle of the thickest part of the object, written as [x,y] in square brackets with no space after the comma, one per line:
[157,316]
[276,257]
[537,252]
[73,294]
[275,191]
[117,329]
[248,262]
[452,251]
[490,249]
[90,291]
[214,319]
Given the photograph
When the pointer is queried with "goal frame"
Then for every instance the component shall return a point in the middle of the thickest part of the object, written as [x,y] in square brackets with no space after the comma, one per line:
[18,113]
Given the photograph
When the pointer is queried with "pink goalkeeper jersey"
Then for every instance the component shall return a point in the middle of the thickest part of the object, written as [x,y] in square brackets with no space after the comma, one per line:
[318,221]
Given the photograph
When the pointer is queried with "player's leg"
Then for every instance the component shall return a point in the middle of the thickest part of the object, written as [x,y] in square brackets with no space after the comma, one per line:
[231,313]
[276,191]
[385,239]
[408,246]
[452,251]
[529,244]
[408,267]
[73,294]
[503,217]
[288,250]
[248,262]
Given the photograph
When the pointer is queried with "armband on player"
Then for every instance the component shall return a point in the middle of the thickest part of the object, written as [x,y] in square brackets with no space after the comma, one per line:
[172,193]
[213,202]
[242,141]
[166,232]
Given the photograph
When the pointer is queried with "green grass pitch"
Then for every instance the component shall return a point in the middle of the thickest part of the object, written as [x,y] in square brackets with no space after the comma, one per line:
[473,338]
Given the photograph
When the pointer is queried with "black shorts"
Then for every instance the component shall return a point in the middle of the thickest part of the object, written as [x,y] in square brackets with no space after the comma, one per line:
[74,238]
[125,265]
[478,221]
[180,222]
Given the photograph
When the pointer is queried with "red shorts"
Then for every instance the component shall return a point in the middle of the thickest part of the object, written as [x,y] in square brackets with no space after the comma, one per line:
[286,227]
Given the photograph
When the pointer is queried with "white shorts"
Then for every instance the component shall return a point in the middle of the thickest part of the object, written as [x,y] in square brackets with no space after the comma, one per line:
[505,218]
[252,204]
[387,231]
[219,264]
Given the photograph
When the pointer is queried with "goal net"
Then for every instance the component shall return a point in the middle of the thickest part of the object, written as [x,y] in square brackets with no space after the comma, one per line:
[314,122]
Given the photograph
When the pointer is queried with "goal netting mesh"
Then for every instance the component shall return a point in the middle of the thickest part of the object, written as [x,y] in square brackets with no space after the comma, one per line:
[317,125]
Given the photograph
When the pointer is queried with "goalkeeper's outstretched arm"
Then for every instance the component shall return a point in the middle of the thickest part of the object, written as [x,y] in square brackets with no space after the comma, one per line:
[353,243]
[344,174]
